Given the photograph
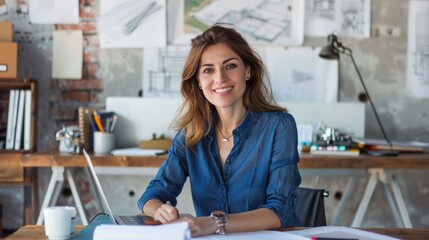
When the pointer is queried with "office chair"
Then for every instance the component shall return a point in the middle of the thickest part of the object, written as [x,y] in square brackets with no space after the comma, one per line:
[310,207]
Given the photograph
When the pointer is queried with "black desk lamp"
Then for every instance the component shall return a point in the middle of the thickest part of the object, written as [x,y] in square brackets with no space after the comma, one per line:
[332,51]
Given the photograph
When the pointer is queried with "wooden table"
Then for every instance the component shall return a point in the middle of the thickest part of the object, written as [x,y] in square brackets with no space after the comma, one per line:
[29,232]
[379,169]
[403,161]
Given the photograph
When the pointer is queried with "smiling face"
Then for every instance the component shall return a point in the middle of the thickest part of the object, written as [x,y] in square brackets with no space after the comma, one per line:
[222,76]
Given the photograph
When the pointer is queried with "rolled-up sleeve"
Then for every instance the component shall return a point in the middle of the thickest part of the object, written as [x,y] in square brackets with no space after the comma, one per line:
[171,176]
[284,177]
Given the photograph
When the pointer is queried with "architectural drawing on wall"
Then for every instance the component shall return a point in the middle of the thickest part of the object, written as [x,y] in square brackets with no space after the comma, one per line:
[349,18]
[418,49]
[321,8]
[52,12]
[162,71]
[263,22]
[127,23]
[300,75]
[353,22]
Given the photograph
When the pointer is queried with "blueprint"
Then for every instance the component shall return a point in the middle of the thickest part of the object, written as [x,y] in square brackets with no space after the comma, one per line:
[418,49]
[348,18]
[262,22]
[162,71]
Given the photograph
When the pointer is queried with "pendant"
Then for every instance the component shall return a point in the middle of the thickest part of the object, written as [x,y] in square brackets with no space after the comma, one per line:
[225,140]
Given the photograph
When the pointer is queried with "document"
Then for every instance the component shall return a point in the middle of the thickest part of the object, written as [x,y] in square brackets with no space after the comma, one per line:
[259,235]
[340,232]
[174,231]
[138,152]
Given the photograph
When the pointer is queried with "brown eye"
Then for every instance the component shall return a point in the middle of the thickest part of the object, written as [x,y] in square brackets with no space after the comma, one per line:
[231,66]
[207,70]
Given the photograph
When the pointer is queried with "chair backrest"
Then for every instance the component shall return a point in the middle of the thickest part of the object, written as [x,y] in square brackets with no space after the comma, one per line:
[311,206]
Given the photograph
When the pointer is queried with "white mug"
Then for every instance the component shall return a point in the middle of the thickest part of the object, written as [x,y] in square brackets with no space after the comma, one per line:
[58,222]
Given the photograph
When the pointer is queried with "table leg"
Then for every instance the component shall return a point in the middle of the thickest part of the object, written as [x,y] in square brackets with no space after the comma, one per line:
[400,201]
[57,175]
[392,205]
[57,193]
[363,206]
[351,184]
[93,187]
[76,198]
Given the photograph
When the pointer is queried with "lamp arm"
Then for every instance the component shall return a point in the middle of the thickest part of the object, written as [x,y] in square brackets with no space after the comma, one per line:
[348,52]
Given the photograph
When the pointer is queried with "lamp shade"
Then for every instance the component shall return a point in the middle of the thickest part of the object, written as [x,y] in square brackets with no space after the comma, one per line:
[330,51]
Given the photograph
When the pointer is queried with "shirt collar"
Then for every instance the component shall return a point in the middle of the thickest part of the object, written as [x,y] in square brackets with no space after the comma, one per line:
[244,128]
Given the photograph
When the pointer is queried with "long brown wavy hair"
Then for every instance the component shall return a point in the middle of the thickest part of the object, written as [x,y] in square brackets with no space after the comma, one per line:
[196,113]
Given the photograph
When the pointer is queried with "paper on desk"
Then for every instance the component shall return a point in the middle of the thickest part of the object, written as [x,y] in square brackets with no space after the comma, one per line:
[259,235]
[137,152]
[174,231]
[341,232]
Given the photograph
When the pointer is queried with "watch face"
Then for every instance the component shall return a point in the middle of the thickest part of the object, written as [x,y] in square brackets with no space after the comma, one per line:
[217,214]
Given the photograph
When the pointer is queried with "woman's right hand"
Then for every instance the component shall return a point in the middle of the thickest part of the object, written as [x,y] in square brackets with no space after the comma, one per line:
[166,213]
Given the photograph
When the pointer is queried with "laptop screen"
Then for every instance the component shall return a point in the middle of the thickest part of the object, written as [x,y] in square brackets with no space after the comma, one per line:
[99,188]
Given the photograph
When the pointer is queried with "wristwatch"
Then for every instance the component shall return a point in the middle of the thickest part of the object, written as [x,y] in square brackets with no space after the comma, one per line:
[221,221]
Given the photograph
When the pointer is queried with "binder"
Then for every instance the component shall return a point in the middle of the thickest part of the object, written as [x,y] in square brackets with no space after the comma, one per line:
[10,114]
[19,120]
[27,120]
[85,126]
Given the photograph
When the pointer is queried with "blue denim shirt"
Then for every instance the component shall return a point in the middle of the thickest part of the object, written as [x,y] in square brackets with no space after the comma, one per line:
[260,171]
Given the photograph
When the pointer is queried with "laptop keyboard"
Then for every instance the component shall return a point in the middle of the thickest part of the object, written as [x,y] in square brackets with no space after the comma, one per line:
[132,220]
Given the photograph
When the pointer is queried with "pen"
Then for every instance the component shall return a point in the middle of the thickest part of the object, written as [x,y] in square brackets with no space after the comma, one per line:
[114,120]
[97,120]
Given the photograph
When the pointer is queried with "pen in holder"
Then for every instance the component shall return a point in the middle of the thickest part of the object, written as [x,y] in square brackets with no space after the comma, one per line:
[104,142]
[104,138]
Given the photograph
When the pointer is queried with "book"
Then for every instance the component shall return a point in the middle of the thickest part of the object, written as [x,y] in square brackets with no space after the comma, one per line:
[86,126]
[19,120]
[27,120]
[382,145]
[11,108]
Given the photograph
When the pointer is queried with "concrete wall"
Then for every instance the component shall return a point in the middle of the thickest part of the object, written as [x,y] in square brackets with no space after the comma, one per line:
[381,59]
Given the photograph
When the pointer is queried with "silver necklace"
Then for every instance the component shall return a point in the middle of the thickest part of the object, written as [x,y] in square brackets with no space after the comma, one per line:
[225,139]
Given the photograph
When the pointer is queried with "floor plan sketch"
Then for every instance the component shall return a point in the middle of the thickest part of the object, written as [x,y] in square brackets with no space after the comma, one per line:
[418,50]
[162,71]
[263,22]
[349,18]
[300,75]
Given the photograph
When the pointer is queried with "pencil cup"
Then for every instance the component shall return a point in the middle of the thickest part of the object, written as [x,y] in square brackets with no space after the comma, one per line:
[104,142]
[59,222]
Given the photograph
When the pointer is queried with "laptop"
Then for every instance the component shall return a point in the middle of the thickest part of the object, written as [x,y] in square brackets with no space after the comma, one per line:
[116,219]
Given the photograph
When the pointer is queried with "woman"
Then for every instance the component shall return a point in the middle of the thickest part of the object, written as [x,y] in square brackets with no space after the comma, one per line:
[237,147]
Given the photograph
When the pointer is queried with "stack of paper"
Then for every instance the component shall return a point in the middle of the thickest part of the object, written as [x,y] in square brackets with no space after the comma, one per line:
[138,152]
[174,231]
[333,232]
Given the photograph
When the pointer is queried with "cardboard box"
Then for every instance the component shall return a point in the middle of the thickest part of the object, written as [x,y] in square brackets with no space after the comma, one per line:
[6,31]
[8,59]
